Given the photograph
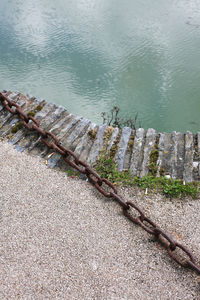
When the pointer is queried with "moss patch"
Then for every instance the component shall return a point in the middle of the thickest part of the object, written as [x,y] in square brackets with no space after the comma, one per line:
[92,133]
[16,127]
[153,168]
[31,114]
[113,149]
[131,143]
[39,108]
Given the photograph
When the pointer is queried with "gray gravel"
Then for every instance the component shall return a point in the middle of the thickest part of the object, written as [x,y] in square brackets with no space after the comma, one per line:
[60,239]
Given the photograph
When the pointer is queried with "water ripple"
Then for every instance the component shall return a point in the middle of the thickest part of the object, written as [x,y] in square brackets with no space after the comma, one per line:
[92,55]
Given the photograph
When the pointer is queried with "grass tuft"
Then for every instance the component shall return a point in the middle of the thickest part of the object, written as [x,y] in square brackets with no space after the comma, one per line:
[106,167]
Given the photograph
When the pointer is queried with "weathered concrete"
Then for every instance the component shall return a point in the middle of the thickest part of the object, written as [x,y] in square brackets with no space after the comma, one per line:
[137,154]
[122,147]
[97,145]
[188,161]
[148,148]
[178,153]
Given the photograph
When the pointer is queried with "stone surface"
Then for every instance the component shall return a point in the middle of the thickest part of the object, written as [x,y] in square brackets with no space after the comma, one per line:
[30,105]
[59,118]
[68,141]
[177,156]
[160,152]
[5,115]
[113,138]
[122,147]
[198,141]
[82,149]
[76,133]
[137,153]
[165,153]
[148,148]
[178,153]
[188,160]
[47,108]
[97,145]
[31,140]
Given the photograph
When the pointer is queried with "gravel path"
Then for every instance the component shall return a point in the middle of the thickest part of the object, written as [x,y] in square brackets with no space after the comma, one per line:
[60,239]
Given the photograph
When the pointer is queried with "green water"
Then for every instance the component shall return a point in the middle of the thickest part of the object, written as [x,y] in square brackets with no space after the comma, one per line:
[90,55]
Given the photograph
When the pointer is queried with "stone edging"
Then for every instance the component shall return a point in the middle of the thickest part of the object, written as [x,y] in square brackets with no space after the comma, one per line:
[177,154]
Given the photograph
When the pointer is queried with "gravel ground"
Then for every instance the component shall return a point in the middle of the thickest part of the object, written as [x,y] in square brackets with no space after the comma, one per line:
[60,239]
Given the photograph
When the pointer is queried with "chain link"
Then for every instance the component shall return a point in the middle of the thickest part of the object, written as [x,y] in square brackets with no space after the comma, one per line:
[103,185]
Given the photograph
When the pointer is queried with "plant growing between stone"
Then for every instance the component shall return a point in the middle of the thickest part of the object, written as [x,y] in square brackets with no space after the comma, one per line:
[107,168]
[113,119]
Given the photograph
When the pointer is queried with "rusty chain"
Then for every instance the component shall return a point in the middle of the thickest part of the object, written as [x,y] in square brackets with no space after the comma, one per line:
[103,185]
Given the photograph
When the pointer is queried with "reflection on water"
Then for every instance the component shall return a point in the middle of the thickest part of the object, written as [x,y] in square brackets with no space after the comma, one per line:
[90,55]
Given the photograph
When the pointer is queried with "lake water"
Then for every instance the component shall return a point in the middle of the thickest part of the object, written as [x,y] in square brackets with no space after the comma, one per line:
[90,55]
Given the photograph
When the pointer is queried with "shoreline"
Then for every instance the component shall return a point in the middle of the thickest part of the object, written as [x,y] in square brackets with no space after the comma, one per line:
[141,151]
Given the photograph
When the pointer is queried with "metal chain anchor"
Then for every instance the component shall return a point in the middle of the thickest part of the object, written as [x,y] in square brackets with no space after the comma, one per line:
[104,186]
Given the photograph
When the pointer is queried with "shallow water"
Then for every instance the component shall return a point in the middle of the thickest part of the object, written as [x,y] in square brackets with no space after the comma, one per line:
[142,56]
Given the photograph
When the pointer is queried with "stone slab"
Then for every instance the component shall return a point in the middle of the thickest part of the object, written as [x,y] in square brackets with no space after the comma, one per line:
[122,147]
[97,145]
[148,148]
[188,160]
[137,152]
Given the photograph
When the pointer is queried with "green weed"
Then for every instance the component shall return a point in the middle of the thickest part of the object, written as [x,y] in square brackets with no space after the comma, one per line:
[106,167]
